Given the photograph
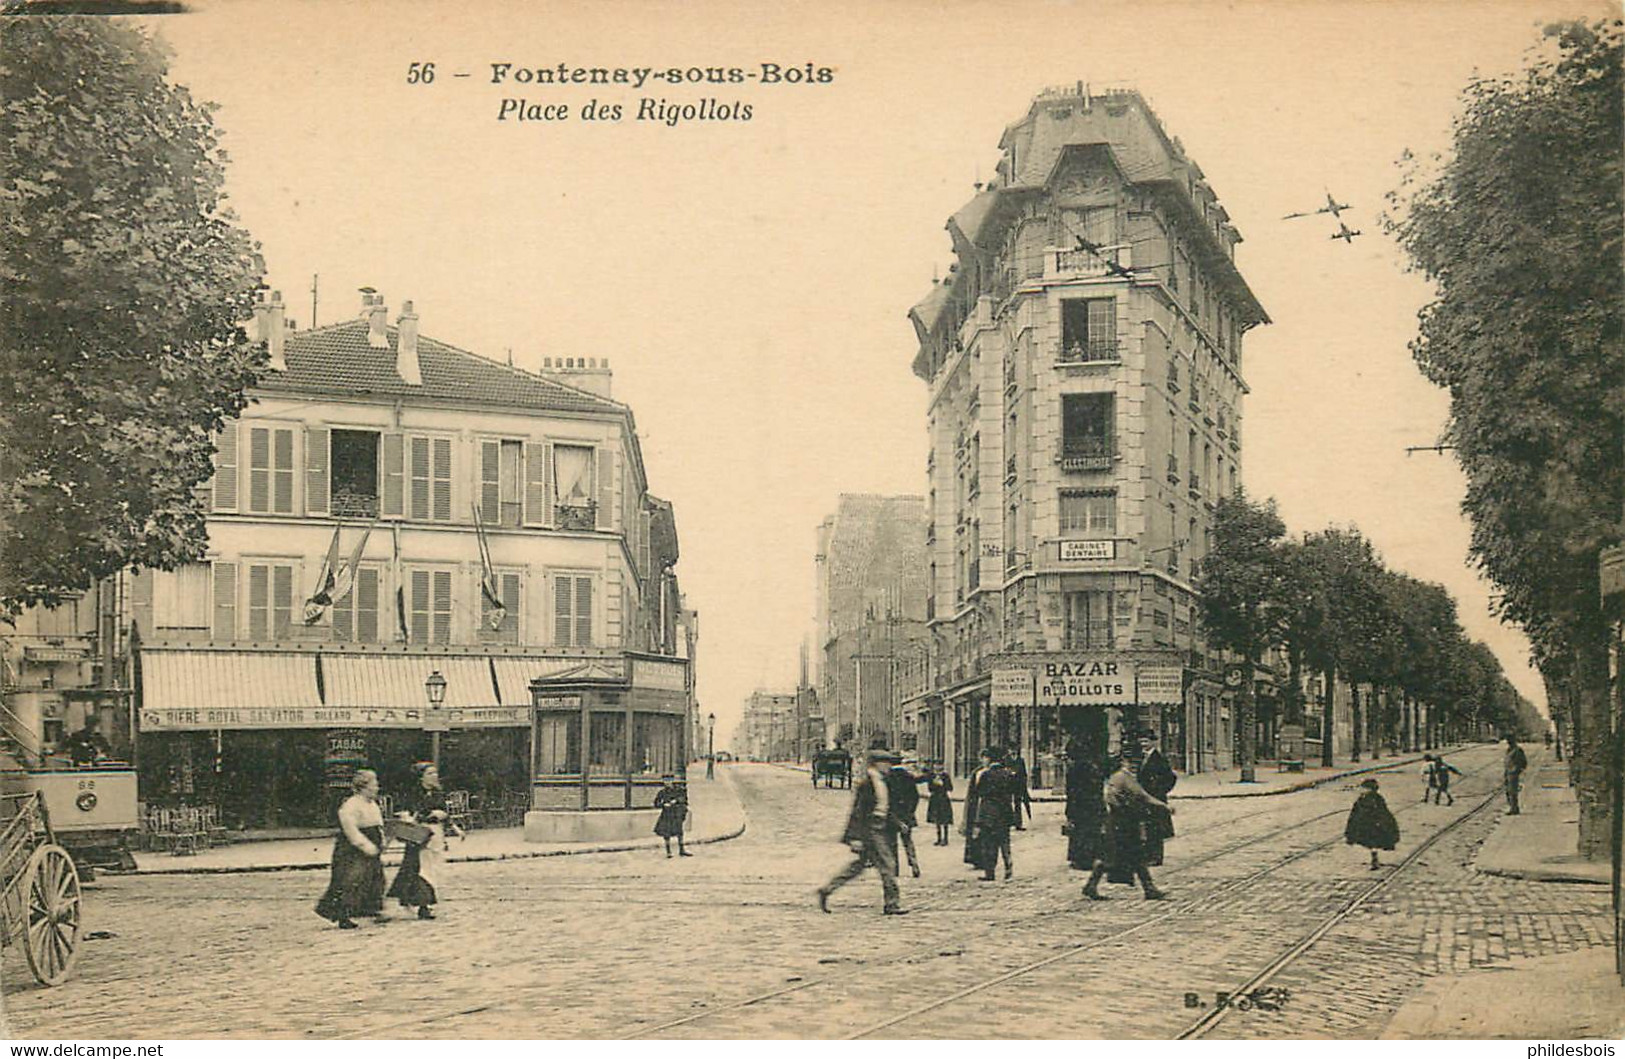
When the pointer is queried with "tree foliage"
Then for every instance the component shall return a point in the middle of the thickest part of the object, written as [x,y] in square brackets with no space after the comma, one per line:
[122,276]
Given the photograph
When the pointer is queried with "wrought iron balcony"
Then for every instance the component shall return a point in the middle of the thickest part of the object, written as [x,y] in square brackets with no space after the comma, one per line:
[1088,453]
[1095,349]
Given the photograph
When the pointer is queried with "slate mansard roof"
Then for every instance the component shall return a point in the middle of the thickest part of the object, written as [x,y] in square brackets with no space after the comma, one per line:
[336,360]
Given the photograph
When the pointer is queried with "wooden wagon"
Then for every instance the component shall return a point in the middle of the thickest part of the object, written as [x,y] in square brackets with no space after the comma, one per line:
[833,767]
[40,907]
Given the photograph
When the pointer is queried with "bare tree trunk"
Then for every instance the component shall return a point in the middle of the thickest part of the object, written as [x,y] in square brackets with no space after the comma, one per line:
[1354,720]
[1249,726]
[1328,715]
[1590,753]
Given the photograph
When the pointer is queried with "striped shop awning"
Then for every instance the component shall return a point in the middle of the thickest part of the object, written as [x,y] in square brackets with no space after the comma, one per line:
[193,690]
[366,681]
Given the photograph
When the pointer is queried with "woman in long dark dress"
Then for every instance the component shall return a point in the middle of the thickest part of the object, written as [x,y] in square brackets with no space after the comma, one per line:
[940,809]
[672,801]
[1085,807]
[356,887]
[1370,823]
[1158,779]
[417,881]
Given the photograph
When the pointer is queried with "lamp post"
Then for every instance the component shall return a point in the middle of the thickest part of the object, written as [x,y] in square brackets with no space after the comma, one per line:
[436,688]
[710,746]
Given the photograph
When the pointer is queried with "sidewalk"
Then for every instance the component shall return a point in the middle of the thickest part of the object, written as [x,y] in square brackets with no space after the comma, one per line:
[1226,783]
[717,815]
[1538,843]
[1563,997]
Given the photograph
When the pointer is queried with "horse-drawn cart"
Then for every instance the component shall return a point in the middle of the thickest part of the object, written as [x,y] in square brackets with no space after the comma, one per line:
[39,889]
[833,766]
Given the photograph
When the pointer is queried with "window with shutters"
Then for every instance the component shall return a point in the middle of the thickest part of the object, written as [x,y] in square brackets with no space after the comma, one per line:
[354,470]
[501,496]
[181,599]
[318,485]
[572,610]
[270,600]
[225,469]
[506,629]
[429,605]
[270,470]
[225,602]
[429,471]
[574,485]
[355,614]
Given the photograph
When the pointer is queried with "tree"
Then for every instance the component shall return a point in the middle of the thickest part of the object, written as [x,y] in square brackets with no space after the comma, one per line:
[1521,228]
[1349,616]
[1243,585]
[122,277]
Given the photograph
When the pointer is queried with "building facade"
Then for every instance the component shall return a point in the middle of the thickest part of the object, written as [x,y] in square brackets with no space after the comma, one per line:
[770,728]
[1084,359]
[871,622]
[389,507]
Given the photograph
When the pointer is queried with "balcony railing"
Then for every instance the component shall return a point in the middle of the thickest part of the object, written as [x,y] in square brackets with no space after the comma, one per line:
[575,516]
[1088,453]
[354,505]
[1096,349]
[1063,262]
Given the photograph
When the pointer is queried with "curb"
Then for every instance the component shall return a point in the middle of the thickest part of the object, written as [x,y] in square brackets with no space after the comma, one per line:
[477,858]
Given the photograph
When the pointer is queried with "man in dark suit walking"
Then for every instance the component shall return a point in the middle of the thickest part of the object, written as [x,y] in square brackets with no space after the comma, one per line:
[870,836]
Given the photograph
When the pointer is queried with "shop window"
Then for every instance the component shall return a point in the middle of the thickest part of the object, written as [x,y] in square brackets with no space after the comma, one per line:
[657,743]
[1088,512]
[1089,329]
[606,751]
[270,600]
[354,470]
[558,743]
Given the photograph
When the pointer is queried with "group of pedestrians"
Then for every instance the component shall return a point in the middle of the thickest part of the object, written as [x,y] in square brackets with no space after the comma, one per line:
[356,886]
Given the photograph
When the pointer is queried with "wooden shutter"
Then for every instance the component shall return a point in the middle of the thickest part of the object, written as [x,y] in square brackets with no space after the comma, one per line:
[316,470]
[562,612]
[259,470]
[225,468]
[420,606]
[344,618]
[491,481]
[394,476]
[512,602]
[583,615]
[419,471]
[365,594]
[282,471]
[281,601]
[535,483]
[259,602]
[441,486]
[605,459]
[225,602]
[442,606]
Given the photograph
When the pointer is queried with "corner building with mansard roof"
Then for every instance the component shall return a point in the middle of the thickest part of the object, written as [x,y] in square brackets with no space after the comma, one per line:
[1084,359]
[393,440]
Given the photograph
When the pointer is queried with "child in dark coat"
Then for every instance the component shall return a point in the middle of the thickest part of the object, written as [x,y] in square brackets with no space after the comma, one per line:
[1371,824]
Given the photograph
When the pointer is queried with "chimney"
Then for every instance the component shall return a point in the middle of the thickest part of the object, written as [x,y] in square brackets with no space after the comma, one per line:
[406,345]
[274,330]
[372,307]
[591,374]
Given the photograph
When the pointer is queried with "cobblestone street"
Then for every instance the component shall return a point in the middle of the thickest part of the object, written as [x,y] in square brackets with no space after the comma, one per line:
[611,945]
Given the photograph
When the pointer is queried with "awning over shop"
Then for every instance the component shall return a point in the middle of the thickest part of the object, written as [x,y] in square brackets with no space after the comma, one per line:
[397,680]
[228,689]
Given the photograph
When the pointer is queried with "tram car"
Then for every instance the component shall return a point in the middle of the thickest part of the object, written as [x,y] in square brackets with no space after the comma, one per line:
[92,809]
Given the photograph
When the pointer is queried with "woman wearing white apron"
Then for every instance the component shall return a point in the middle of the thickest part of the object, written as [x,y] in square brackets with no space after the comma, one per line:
[417,883]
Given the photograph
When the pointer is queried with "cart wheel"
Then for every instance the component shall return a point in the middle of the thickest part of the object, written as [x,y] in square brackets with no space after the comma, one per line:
[53,926]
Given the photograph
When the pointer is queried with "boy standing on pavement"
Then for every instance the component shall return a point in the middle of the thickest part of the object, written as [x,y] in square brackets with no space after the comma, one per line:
[1516,762]
[903,793]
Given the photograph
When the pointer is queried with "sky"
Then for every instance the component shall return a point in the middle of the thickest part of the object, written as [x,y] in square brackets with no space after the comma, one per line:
[749,280]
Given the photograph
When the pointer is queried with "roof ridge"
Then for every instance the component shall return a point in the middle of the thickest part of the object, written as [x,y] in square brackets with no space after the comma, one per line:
[532,375]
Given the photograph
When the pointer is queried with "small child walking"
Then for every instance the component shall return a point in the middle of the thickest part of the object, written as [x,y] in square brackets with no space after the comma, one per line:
[672,801]
[940,810]
[1440,781]
[1370,823]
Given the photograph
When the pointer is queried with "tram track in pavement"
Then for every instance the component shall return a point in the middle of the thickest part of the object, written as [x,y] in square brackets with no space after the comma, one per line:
[956,935]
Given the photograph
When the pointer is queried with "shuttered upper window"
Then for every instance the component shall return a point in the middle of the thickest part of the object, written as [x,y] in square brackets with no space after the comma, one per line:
[225,602]
[355,617]
[500,488]
[572,611]
[270,470]
[429,471]
[270,600]
[225,469]
[429,605]
[508,630]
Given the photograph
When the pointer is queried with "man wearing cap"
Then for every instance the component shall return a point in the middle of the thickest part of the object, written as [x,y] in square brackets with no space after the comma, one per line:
[869,835]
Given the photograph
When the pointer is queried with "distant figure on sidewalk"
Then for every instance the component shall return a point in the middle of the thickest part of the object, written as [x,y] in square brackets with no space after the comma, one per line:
[868,836]
[903,796]
[991,803]
[1547,735]
[1158,779]
[940,809]
[710,766]
[1516,762]
[1128,808]
[672,801]
[356,887]
[1085,806]
[1024,797]
[1370,823]
[1439,779]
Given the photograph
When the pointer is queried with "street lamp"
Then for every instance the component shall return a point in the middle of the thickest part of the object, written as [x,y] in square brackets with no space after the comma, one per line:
[710,746]
[436,688]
